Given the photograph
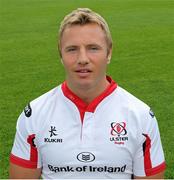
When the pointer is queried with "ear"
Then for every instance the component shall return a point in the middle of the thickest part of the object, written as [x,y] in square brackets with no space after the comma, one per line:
[109,60]
[109,56]
[61,61]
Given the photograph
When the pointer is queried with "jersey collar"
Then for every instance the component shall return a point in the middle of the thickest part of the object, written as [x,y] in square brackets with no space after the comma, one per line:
[80,104]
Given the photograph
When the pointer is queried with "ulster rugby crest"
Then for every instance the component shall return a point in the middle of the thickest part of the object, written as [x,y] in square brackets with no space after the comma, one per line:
[118,132]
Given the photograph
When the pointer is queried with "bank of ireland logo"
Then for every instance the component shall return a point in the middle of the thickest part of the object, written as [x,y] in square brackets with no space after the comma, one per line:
[118,132]
[86,157]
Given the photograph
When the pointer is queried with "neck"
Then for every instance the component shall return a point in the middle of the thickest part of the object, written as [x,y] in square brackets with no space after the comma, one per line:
[88,94]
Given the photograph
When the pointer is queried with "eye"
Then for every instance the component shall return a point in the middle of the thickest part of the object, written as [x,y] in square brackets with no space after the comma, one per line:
[94,48]
[71,49]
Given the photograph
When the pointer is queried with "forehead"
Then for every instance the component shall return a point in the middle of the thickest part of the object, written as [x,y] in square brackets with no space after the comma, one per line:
[92,33]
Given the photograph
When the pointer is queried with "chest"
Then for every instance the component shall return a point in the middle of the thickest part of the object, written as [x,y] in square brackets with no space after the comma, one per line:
[104,139]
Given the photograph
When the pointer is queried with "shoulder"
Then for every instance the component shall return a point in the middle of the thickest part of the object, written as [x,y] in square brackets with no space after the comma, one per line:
[35,111]
[138,110]
[46,99]
[132,102]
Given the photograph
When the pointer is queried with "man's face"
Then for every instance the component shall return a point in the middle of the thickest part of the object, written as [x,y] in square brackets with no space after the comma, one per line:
[84,55]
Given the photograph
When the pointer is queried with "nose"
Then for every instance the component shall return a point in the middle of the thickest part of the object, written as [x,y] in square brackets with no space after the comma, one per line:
[82,57]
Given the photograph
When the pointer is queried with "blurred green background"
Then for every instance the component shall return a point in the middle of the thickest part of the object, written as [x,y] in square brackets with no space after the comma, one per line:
[142,61]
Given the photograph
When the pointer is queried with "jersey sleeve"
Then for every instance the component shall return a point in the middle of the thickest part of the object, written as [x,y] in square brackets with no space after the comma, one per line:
[149,158]
[24,151]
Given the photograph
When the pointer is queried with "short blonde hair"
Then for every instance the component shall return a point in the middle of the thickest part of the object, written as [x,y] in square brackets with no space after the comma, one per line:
[82,16]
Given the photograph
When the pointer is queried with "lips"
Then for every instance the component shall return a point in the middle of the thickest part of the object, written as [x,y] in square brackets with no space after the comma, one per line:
[83,71]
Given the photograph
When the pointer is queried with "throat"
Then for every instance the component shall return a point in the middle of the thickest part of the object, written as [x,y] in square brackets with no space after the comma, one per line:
[87,95]
[86,100]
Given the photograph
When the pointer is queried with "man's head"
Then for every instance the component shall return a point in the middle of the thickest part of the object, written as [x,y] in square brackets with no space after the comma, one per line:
[85,47]
[83,16]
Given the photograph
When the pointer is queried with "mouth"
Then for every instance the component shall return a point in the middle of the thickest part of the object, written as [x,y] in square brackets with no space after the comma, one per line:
[83,72]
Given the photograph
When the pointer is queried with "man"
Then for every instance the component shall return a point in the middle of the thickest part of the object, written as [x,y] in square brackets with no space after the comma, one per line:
[88,127]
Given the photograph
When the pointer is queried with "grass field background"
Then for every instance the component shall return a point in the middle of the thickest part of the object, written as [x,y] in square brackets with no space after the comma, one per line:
[142,62]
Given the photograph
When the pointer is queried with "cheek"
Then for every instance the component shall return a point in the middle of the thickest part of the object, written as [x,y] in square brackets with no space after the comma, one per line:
[66,65]
[98,57]
[103,64]
[67,61]
[101,61]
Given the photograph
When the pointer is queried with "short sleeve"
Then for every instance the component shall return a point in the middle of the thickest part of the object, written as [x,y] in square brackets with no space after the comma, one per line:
[24,151]
[149,158]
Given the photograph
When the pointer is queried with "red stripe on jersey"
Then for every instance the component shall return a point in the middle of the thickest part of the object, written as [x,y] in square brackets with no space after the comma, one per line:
[22,162]
[156,170]
[33,149]
[92,106]
[32,162]
[146,151]
[81,105]
[149,171]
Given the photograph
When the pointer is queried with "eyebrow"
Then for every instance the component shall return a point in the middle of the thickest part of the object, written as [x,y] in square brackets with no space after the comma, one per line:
[70,46]
[88,45]
[97,45]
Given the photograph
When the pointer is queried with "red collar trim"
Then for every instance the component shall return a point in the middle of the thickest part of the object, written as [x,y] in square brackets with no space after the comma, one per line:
[81,105]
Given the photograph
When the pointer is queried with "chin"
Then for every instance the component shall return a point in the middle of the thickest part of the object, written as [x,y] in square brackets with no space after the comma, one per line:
[84,83]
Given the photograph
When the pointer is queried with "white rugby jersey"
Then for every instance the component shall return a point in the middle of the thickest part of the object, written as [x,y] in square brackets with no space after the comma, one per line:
[115,136]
